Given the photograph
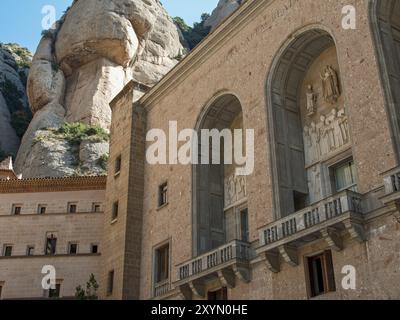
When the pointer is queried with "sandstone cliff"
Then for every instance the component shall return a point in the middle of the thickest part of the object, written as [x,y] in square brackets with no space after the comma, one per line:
[79,66]
[223,10]
[14,111]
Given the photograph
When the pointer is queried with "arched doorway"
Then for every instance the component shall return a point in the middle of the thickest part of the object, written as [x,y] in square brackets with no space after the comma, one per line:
[385,24]
[218,192]
[308,123]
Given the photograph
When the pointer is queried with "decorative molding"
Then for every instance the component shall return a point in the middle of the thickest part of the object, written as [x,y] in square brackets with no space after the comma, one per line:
[243,274]
[198,288]
[235,190]
[227,277]
[272,260]
[53,184]
[355,230]
[333,238]
[290,255]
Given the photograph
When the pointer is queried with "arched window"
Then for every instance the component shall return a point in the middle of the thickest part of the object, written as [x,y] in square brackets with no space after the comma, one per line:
[219,203]
[308,123]
[385,24]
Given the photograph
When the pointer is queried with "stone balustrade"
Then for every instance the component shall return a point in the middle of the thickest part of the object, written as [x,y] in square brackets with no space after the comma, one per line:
[227,263]
[325,219]
[162,288]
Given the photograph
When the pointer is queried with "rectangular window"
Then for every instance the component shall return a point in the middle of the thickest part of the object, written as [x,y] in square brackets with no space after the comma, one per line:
[244,225]
[219,295]
[94,248]
[110,283]
[42,209]
[321,274]
[162,264]
[96,207]
[51,245]
[1,289]
[72,248]
[30,250]
[163,195]
[72,207]
[118,163]
[115,210]
[7,250]
[16,209]
[55,293]
[345,176]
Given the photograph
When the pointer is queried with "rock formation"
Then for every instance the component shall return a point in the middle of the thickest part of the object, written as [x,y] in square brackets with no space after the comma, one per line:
[223,10]
[14,66]
[94,50]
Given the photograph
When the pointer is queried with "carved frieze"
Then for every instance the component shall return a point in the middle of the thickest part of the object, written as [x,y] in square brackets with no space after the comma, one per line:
[326,136]
[235,189]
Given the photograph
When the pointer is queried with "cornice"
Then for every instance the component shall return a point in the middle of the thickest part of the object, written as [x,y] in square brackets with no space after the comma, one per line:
[53,184]
[250,9]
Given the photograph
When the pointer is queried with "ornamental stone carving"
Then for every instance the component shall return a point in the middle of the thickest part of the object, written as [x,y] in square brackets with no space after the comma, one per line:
[235,189]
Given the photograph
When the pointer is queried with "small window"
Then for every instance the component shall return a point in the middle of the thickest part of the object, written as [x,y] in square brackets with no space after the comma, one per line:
[7,250]
[162,264]
[72,207]
[72,248]
[42,209]
[1,289]
[30,250]
[244,225]
[118,163]
[16,209]
[345,177]
[115,210]
[96,207]
[163,195]
[94,249]
[51,245]
[219,295]
[321,274]
[110,283]
[55,293]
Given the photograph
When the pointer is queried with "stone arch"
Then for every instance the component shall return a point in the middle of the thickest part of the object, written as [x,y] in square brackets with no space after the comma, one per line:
[284,84]
[385,25]
[209,230]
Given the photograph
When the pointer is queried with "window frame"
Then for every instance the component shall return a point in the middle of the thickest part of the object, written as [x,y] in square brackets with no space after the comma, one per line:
[328,274]
[14,207]
[5,247]
[162,195]
[30,248]
[92,245]
[40,207]
[70,244]
[114,211]
[118,165]
[110,282]
[50,236]
[70,205]
[160,278]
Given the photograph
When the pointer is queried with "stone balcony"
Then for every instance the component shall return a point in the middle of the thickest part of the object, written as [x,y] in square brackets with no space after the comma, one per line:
[327,219]
[391,198]
[226,263]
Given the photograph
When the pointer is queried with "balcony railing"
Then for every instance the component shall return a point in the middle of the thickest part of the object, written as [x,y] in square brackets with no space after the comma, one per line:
[392,181]
[324,210]
[162,288]
[235,250]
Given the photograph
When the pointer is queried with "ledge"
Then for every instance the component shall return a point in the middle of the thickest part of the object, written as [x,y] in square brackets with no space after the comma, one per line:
[327,220]
[79,255]
[226,263]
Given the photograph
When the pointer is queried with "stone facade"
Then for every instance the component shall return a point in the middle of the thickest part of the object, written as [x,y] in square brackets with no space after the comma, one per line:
[26,232]
[291,66]
[318,218]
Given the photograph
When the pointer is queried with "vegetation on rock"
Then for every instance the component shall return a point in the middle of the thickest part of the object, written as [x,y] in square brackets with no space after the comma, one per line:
[77,131]
[193,35]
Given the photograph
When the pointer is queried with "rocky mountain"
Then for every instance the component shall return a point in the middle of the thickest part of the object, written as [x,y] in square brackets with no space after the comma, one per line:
[223,10]
[14,110]
[94,50]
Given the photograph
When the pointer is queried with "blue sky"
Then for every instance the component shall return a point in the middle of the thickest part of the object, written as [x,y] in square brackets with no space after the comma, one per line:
[20,20]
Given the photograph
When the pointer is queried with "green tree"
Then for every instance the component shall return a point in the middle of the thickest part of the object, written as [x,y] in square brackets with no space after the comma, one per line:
[193,35]
[91,290]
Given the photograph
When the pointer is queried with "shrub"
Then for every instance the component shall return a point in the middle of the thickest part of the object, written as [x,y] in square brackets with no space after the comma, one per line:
[91,290]
[103,161]
[76,132]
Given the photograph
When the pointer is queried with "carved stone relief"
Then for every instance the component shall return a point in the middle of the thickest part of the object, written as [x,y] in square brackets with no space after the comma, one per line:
[311,100]
[330,85]
[235,189]
[326,136]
